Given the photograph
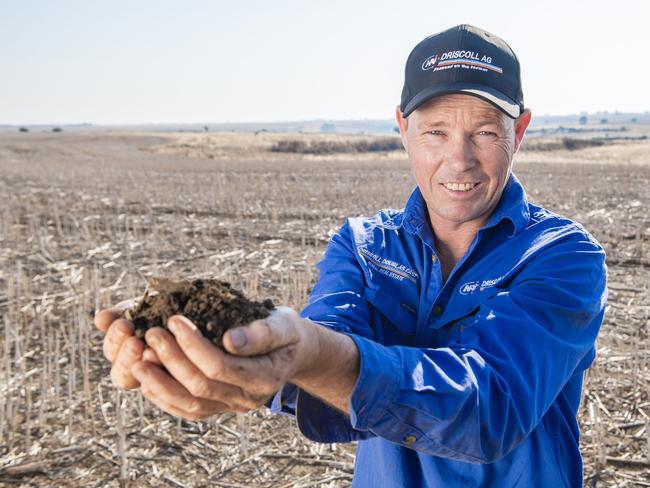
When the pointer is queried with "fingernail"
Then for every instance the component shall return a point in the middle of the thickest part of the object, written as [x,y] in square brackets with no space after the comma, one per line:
[132,347]
[188,323]
[238,338]
[153,340]
[123,328]
[172,325]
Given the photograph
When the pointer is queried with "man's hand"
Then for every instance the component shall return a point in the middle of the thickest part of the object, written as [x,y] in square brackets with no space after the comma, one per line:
[186,375]
[202,379]
[121,347]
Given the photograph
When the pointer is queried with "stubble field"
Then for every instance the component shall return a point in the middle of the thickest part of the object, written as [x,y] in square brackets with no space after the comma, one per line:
[87,218]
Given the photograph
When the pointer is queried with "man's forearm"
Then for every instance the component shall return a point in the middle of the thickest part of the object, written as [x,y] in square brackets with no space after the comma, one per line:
[332,371]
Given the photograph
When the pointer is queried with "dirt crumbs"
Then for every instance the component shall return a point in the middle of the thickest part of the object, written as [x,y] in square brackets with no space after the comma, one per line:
[212,305]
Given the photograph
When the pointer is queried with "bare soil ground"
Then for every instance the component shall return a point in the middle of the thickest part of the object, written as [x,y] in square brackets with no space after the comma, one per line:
[86,219]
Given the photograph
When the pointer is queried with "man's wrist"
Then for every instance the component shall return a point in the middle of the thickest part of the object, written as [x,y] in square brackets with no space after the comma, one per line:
[330,368]
[310,356]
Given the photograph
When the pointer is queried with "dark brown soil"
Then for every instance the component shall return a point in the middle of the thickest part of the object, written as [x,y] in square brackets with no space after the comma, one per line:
[212,305]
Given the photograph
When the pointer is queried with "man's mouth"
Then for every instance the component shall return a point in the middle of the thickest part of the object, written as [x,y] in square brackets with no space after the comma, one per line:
[459,186]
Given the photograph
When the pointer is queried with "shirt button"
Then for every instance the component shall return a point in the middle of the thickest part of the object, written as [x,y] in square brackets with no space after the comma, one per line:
[434,258]
[437,310]
[409,439]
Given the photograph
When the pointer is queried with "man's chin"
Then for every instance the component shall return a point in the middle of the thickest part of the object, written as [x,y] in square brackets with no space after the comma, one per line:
[460,216]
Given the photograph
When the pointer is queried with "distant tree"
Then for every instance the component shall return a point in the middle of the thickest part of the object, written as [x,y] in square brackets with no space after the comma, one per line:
[603,121]
[57,129]
[582,120]
[23,129]
[633,120]
[396,129]
[205,128]
[327,127]
[572,144]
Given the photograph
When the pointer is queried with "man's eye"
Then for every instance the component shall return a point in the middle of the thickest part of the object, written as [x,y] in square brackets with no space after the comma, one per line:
[487,133]
[435,132]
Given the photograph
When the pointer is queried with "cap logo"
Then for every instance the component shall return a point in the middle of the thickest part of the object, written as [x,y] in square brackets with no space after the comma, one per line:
[430,62]
[460,59]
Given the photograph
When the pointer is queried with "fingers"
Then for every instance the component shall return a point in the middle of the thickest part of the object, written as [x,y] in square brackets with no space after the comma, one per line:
[186,372]
[117,333]
[120,346]
[205,355]
[104,318]
[246,381]
[197,365]
[261,376]
[150,355]
[169,395]
[278,330]
[129,354]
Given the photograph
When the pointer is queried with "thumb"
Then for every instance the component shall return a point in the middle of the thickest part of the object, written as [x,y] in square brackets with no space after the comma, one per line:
[279,329]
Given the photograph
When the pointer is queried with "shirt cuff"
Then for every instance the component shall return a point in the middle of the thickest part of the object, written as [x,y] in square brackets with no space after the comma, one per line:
[320,422]
[375,406]
[284,401]
[374,392]
[316,420]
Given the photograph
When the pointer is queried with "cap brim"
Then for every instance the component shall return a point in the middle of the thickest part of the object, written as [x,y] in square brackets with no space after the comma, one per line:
[496,98]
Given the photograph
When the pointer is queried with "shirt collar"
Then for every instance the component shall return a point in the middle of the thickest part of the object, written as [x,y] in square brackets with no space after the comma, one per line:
[513,206]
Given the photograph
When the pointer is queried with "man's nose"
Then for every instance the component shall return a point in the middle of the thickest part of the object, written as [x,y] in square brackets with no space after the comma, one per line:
[461,156]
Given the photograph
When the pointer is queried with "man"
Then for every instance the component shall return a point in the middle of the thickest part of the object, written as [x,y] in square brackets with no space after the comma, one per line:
[449,338]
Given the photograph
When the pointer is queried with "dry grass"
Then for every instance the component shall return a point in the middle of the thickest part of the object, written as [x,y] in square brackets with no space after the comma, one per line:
[87,218]
[264,146]
[619,154]
[259,147]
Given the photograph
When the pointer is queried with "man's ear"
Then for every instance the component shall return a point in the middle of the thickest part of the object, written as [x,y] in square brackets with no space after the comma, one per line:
[521,124]
[402,124]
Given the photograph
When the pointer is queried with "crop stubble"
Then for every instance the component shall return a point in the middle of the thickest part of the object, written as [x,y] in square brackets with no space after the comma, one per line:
[77,233]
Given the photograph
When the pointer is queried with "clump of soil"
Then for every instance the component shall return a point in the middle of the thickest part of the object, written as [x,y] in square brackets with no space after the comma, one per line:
[212,305]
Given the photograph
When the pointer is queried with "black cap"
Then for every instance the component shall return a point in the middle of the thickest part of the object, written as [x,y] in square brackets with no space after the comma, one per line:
[463,59]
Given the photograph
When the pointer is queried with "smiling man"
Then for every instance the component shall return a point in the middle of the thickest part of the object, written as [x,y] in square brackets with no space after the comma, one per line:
[450,338]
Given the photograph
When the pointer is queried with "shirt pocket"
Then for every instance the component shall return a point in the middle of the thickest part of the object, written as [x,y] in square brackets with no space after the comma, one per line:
[397,319]
[451,332]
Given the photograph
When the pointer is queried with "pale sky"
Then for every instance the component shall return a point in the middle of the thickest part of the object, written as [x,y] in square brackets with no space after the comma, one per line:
[128,62]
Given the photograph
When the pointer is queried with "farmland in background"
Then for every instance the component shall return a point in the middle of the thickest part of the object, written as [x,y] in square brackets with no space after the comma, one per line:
[87,218]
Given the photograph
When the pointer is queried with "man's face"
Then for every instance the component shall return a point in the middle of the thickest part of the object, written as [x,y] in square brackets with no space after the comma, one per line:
[460,149]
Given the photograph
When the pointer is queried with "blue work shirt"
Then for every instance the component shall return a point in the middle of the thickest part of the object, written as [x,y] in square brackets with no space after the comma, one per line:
[475,381]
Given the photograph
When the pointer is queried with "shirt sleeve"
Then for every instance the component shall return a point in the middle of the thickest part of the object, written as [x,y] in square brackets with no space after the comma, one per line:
[336,302]
[479,398]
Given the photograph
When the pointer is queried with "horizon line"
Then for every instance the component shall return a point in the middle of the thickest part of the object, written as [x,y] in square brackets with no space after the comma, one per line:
[285,121]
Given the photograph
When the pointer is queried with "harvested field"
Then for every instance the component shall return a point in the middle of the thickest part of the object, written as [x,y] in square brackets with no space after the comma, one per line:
[86,219]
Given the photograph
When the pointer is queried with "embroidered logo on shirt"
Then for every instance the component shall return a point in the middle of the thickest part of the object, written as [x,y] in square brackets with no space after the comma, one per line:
[472,286]
[469,287]
[389,267]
